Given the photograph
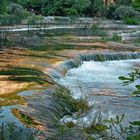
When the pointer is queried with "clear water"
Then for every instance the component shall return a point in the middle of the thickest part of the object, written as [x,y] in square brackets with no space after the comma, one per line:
[99,82]
[7,116]
[5,112]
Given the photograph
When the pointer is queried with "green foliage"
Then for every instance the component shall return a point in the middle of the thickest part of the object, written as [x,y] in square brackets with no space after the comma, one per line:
[123,2]
[71,105]
[15,9]
[65,7]
[97,31]
[136,5]
[116,38]
[131,20]
[3,8]
[129,132]
[54,47]
[123,12]
[97,8]
[110,11]
[133,76]
[34,20]
[25,75]
[28,121]
[71,12]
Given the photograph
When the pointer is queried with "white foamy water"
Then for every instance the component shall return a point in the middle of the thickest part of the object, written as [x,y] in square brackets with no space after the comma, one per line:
[100,83]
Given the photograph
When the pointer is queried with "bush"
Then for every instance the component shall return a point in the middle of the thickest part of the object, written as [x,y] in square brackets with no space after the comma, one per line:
[15,9]
[123,2]
[131,20]
[110,10]
[98,8]
[71,11]
[124,11]
[3,9]
[116,38]
[136,5]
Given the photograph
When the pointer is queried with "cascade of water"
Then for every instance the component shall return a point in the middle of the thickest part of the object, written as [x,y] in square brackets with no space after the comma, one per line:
[112,56]
[99,81]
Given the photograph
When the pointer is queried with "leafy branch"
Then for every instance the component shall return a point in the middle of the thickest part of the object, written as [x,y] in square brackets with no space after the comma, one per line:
[132,77]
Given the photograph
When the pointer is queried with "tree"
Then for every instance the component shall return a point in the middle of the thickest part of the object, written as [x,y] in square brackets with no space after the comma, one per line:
[136,5]
[3,4]
[97,7]
[65,7]
[123,2]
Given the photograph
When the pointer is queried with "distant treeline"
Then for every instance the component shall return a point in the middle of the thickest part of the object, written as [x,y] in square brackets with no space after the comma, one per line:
[64,7]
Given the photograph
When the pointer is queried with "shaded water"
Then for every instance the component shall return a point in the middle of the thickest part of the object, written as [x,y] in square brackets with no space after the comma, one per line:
[99,82]
[7,116]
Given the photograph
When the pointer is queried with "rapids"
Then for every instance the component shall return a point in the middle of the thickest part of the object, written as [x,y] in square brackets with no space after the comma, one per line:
[99,83]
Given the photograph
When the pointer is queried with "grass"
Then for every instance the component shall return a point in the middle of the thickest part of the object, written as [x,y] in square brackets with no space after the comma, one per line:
[64,98]
[20,71]
[137,42]
[28,121]
[56,105]
[97,31]
[9,131]
[114,38]
[55,47]
[13,98]
[22,74]
[131,21]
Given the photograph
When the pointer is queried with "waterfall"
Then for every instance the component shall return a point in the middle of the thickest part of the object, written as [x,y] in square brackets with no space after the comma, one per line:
[109,57]
[75,63]
[99,83]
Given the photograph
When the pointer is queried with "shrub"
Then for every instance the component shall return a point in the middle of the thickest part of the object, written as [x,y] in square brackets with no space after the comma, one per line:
[98,8]
[123,2]
[3,9]
[26,14]
[131,20]
[124,11]
[110,10]
[71,11]
[136,5]
[97,31]
[15,9]
[116,38]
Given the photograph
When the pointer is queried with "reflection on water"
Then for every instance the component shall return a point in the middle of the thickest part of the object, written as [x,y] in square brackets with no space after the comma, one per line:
[99,82]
